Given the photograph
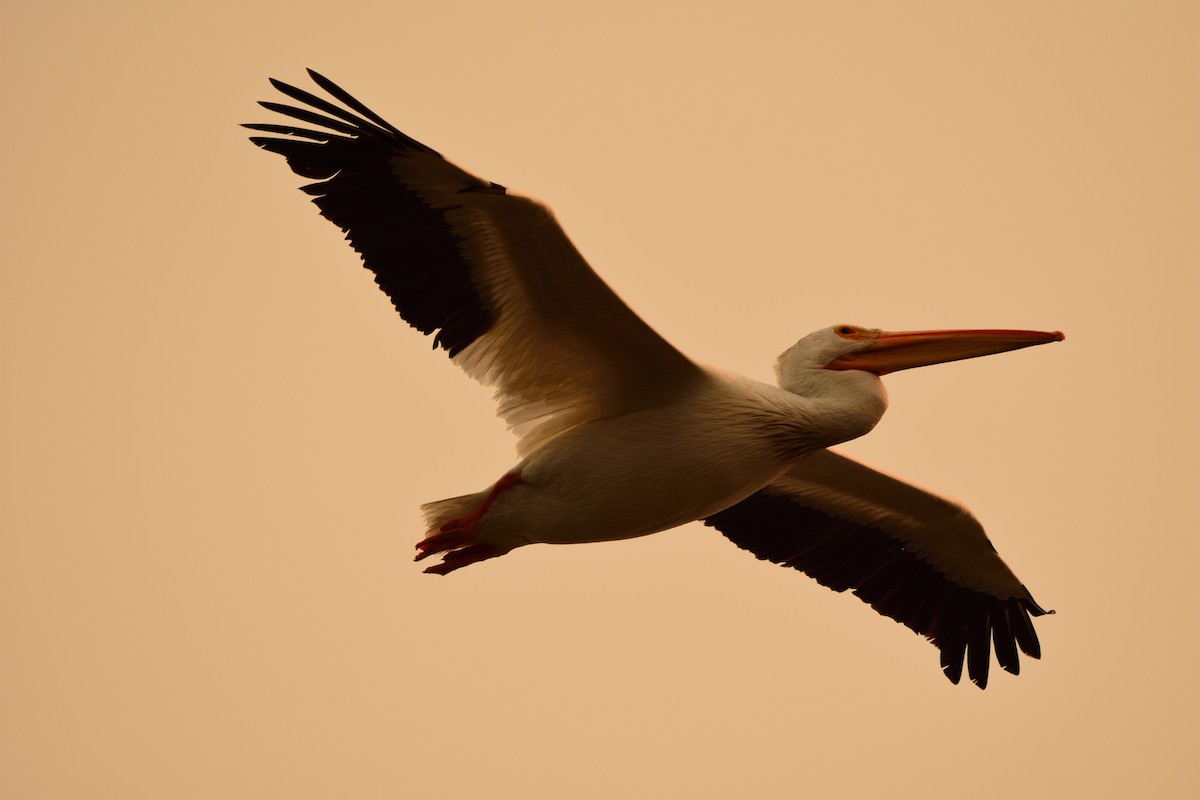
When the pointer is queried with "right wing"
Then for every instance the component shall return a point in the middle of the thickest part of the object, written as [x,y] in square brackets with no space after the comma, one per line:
[913,556]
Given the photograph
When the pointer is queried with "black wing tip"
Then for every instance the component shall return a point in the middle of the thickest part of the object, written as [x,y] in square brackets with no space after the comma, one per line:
[270,144]
[979,651]
[1032,605]
[352,102]
[1011,632]
[317,78]
[410,245]
[952,658]
[321,112]
[291,131]
[1005,643]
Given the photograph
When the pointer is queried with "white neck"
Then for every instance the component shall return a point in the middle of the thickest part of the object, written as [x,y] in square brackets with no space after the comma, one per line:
[841,404]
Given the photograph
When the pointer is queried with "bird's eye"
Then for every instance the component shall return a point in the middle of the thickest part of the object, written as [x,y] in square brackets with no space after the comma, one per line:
[846,330]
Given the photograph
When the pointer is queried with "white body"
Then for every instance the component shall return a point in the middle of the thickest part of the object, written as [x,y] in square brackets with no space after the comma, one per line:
[608,479]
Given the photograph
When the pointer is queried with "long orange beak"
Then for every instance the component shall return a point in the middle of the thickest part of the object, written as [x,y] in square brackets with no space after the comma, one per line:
[890,352]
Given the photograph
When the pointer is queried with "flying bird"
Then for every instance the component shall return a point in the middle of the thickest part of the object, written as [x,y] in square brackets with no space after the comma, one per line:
[619,433]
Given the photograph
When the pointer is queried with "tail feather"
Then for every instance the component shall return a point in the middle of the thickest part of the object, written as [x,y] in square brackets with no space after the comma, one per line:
[439,512]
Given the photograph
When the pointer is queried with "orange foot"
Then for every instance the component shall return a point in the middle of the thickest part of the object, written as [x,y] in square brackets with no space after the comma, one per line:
[462,557]
[457,539]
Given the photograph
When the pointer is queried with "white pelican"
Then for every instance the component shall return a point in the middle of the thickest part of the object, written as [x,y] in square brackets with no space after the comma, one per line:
[620,434]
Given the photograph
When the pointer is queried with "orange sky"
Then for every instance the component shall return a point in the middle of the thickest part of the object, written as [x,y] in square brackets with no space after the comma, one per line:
[217,434]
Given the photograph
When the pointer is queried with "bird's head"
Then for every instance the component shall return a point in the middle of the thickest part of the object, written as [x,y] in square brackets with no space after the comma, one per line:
[849,347]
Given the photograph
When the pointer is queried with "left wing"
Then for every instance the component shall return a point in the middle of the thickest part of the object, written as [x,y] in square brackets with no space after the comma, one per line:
[913,556]
[490,273]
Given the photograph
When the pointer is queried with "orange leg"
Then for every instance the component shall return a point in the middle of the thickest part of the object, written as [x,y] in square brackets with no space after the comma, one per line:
[457,538]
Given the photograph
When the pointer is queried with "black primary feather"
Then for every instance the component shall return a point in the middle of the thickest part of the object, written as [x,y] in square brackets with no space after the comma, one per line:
[361,187]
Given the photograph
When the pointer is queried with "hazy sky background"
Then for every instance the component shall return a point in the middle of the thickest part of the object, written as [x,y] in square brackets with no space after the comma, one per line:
[217,434]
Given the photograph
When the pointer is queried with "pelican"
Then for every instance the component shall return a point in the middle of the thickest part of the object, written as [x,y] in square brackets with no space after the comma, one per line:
[621,435]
